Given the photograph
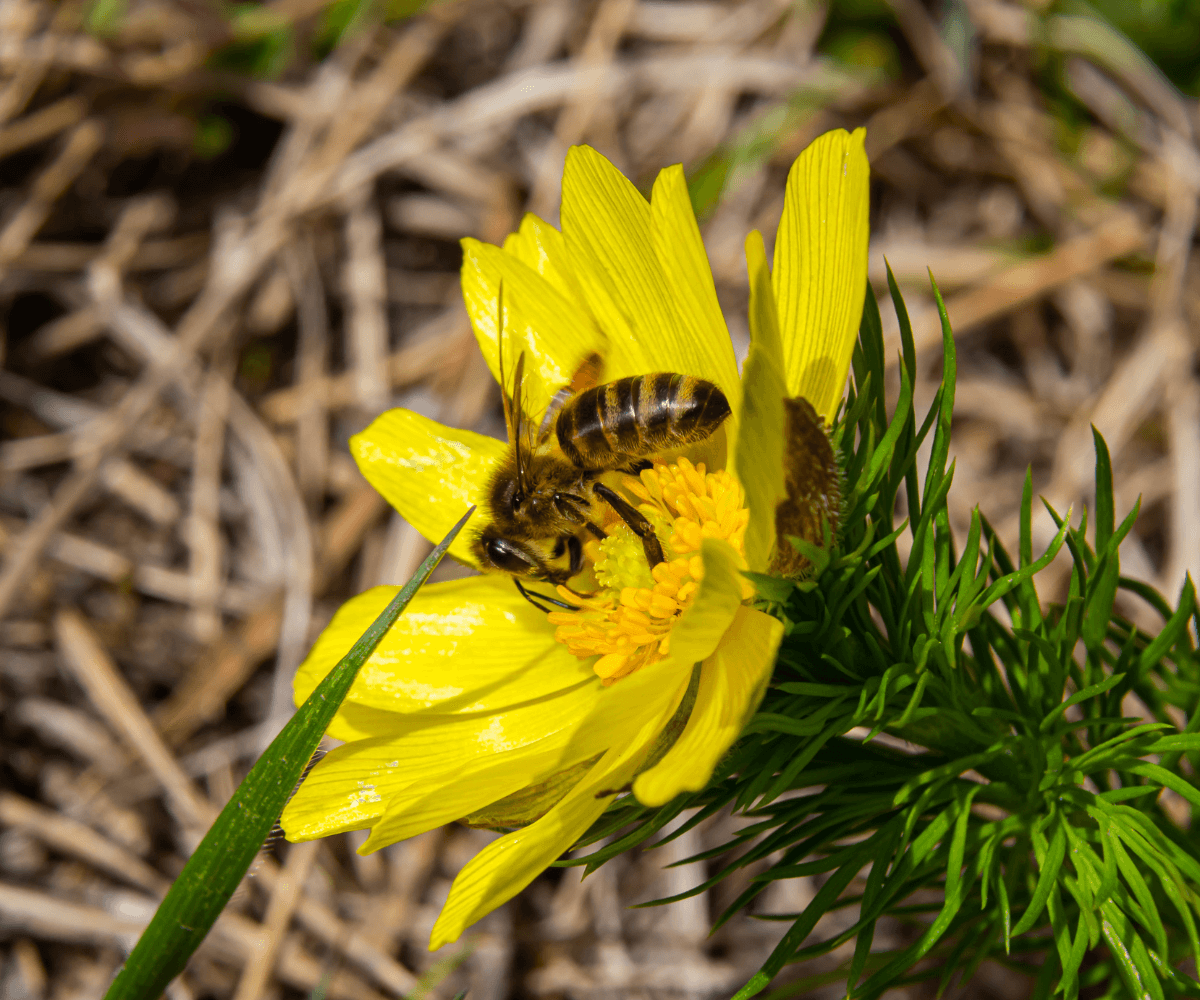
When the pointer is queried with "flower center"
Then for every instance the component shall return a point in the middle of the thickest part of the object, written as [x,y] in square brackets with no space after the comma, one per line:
[628,621]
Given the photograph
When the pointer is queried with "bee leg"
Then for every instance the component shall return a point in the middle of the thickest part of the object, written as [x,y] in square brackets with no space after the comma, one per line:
[596,530]
[638,467]
[637,523]
[549,600]
[575,547]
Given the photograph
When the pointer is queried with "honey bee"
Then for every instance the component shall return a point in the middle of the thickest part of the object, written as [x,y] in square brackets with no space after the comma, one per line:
[542,499]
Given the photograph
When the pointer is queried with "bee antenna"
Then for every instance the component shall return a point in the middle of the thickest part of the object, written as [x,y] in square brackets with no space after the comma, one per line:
[512,413]
[519,420]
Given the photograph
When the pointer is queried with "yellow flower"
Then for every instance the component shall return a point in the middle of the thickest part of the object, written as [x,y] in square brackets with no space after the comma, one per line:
[477,706]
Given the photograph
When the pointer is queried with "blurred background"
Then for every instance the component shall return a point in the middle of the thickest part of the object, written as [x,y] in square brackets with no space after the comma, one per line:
[229,238]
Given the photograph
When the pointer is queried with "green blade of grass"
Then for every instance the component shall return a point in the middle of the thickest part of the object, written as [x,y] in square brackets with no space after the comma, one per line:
[213,872]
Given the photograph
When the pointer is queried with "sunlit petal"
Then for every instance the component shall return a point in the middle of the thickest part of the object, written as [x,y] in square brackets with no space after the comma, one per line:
[705,348]
[346,790]
[502,650]
[353,785]
[506,866]
[821,266]
[703,624]
[606,223]
[430,473]
[732,683]
[542,247]
[758,457]
[554,331]
[480,782]
[621,710]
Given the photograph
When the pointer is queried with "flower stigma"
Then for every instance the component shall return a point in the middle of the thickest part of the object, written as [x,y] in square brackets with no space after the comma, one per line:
[628,621]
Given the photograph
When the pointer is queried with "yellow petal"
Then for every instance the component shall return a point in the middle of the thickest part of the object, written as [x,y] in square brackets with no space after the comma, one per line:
[554,331]
[705,348]
[475,786]
[354,785]
[620,711]
[529,804]
[606,224]
[758,456]
[346,790]
[472,645]
[542,247]
[732,683]
[420,812]
[428,472]
[704,623]
[820,273]
[506,866]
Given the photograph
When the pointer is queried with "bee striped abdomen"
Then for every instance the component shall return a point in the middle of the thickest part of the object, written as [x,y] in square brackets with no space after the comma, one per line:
[638,416]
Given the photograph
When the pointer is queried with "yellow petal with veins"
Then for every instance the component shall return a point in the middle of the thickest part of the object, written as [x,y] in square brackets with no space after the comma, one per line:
[542,247]
[705,349]
[477,784]
[506,866]
[732,683]
[606,224]
[353,786]
[758,457]
[502,650]
[555,333]
[430,473]
[704,623]
[820,274]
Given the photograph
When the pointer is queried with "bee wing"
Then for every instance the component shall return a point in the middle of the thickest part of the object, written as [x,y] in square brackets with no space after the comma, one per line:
[589,373]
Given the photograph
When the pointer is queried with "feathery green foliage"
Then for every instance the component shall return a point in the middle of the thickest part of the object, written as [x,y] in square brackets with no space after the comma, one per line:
[1029,806]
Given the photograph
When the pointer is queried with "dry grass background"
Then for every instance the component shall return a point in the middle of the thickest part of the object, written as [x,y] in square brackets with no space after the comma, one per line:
[188,342]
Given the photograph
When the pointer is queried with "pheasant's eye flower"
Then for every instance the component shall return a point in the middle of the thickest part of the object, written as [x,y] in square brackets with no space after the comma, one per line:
[479,707]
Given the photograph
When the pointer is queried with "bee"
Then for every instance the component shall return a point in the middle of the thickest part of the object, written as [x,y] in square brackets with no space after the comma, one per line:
[543,499]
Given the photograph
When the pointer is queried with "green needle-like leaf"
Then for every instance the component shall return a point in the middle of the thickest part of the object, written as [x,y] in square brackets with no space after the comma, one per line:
[213,872]
[1086,875]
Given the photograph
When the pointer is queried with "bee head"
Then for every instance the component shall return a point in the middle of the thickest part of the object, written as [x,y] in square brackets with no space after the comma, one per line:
[525,509]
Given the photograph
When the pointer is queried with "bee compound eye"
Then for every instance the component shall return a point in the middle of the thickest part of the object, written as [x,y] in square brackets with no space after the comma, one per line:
[508,556]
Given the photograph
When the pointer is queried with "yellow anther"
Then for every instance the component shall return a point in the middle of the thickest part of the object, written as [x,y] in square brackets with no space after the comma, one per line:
[629,620]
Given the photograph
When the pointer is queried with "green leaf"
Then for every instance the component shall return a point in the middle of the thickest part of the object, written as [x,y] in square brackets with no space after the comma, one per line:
[774,589]
[1103,590]
[756,984]
[1005,909]
[941,434]
[907,345]
[213,872]
[1088,692]
[1147,594]
[1168,780]
[1104,492]
[870,340]
[1049,862]
[889,838]
[1022,576]
[1129,953]
[817,908]
[954,894]
[1173,631]
[1141,891]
